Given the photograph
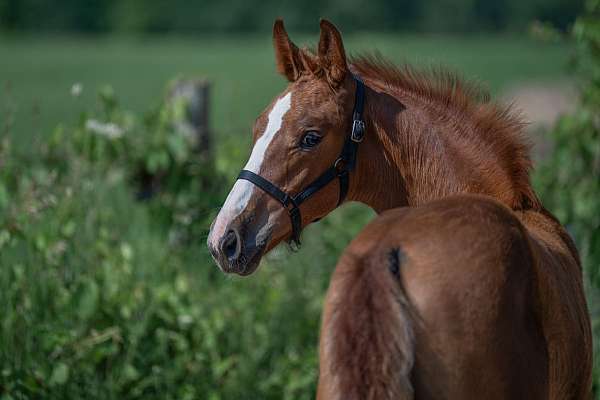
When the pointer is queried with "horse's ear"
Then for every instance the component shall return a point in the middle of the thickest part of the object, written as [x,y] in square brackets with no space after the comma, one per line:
[332,56]
[287,55]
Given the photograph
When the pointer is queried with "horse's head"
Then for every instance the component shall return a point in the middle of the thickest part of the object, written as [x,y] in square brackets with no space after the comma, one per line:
[297,138]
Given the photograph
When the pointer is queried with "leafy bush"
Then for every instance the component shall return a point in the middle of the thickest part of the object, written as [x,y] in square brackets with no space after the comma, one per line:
[158,161]
[107,296]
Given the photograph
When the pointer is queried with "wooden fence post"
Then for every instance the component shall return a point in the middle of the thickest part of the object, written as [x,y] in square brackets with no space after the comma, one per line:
[192,121]
[195,93]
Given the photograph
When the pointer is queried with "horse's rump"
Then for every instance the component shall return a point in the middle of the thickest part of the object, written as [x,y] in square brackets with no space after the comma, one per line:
[455,279]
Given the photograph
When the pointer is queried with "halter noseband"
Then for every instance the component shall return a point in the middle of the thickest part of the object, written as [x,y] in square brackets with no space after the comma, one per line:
[340,169]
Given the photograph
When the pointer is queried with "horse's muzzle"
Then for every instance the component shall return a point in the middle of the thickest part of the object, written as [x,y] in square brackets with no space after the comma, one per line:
[237,250]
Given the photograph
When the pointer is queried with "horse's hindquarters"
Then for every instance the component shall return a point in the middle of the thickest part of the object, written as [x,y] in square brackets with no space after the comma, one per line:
[563,308]
[466,273]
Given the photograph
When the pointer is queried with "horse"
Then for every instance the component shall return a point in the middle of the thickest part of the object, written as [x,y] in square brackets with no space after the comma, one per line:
[463,286]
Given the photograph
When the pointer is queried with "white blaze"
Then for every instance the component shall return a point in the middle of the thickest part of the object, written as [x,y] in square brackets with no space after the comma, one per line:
[238,197]
[280,108]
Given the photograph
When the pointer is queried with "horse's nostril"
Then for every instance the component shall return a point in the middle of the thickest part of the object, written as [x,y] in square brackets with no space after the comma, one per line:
[230,245]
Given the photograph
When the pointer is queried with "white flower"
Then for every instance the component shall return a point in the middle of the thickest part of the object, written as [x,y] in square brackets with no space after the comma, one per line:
[108,129]
[185,319]
[76,89]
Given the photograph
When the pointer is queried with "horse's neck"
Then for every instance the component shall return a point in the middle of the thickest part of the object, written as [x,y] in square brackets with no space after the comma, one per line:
[416,152]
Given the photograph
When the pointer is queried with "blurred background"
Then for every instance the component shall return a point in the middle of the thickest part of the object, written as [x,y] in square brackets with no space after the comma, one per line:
[122,127]
[236,16]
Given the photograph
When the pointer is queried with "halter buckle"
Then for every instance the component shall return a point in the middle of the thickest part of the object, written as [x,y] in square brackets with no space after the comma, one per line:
[289,203]
[340,166]
[358,131]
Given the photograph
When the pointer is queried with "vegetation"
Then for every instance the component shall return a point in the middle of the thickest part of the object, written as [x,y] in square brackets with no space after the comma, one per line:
[103,299]
[240,15]
[35,99]
[106,296]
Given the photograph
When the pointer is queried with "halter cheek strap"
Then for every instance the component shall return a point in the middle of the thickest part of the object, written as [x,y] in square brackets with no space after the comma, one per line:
[339,170]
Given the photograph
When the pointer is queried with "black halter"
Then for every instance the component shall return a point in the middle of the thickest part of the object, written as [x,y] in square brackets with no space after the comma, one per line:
[340,169]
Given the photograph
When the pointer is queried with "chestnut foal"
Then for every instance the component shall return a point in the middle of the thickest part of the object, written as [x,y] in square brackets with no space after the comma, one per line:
[466,288]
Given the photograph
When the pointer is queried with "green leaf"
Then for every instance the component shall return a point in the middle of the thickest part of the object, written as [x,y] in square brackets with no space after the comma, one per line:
[87,299]
[4,237]
[178,147]
[60,374]
[130,373]
[3,196]
[68,229]
[158,160]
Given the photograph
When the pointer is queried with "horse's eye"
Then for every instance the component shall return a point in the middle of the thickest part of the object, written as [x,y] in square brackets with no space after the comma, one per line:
[310,140]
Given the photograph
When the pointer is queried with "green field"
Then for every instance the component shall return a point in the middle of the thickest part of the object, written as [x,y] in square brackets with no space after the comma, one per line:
[96,300]
[37,74]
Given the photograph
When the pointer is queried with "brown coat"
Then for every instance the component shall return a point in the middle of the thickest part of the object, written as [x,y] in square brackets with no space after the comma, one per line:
[460,298]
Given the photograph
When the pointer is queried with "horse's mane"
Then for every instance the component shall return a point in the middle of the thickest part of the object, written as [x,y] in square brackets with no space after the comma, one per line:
[436,84]
[499,126]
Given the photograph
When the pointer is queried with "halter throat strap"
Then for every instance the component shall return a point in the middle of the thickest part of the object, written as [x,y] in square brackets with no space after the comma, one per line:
[340,170]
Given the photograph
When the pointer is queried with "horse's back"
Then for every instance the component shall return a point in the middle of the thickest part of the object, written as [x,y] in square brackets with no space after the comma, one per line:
[467,270]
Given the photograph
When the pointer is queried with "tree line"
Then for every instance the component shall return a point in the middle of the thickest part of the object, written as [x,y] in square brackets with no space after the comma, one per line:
[206,16]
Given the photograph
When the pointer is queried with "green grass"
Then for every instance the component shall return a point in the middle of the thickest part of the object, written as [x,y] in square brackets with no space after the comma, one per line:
[95,300]
[37,73]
